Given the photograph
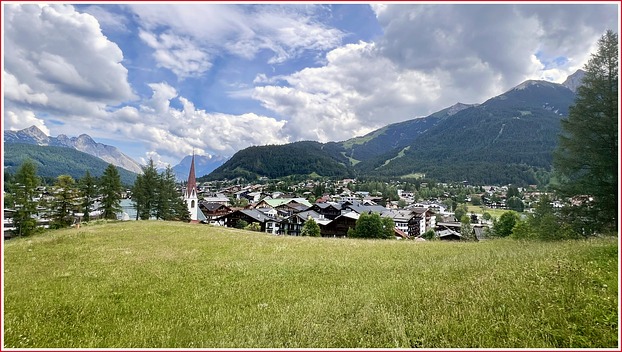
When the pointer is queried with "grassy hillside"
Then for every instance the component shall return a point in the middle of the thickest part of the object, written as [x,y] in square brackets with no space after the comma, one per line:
[54,161]
[158,284]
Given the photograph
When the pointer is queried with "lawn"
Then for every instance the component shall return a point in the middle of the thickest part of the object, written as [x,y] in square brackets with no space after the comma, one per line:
[477,209]
[166,285]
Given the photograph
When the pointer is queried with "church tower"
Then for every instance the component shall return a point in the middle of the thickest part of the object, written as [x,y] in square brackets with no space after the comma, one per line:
[190,195]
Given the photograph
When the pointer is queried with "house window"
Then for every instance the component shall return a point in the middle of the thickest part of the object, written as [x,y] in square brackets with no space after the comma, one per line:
[192,204]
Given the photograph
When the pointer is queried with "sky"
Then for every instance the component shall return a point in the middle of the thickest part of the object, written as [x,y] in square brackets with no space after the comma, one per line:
[164,80]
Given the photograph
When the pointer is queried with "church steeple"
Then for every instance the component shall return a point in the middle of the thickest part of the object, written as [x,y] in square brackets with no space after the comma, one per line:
[191,195]
[191,187]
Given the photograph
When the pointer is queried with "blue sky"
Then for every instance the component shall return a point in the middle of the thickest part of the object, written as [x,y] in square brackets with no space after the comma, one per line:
[160,80]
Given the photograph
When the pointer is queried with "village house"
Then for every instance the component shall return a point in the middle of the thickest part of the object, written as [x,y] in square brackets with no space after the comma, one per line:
[340,226]
[217,198]
[287,205]
[268,224]
[293,225]
[211,211]
[328,210]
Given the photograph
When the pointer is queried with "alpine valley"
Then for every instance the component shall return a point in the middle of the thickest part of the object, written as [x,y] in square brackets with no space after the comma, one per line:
[508,139]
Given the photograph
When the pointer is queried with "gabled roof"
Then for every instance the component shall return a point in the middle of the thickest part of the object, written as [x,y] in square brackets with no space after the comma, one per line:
[366,208]
[281,201]
[397,215]
[258,215]
[314,215]
[212,206]
[328,205]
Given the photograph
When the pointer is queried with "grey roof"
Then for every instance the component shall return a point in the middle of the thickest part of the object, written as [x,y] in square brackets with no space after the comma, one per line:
[358,208]
[397,215]
[210,206]
[314,215]
[445,233]
[258,215]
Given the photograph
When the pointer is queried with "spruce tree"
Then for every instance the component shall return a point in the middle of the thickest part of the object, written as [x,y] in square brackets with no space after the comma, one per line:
[111,192]
[145,192]
[586,159]
[65,201]
[88,192]
[25,192]
[166,195]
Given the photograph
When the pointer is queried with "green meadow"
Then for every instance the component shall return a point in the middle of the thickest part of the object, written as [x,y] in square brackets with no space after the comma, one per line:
[154,284]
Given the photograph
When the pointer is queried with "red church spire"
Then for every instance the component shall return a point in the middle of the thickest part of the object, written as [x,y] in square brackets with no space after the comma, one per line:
[191,187]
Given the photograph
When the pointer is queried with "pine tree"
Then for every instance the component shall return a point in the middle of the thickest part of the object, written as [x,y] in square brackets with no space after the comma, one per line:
[64,203]
[166,195]
[145,192]
[587,156]
[88,192]
[25,191]
[111,192]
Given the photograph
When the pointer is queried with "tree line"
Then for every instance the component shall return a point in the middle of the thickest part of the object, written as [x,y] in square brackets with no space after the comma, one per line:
[154,195]
[66,197]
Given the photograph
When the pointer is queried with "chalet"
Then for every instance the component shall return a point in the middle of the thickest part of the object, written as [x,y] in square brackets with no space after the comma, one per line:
[360,208]
[268,224]
[449,235]
[211,211]
[293,225]
[340,226]
[217,198]
[287,205]
[328,210]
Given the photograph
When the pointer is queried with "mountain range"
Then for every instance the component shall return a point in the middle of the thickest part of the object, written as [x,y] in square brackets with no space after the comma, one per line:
[84,143]
[52,161]
[506,139]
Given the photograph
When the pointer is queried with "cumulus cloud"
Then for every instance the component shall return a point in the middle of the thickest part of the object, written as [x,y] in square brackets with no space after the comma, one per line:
[17,119]
[498,40]
[430,57]
[172,133]
[178,54]
[187,37]
[61,64]
[354,93]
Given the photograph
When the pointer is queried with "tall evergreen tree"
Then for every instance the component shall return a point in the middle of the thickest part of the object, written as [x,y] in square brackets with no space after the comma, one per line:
[166,195]
[587,156]
[65,201]
[88,192]
[111,192]
[25,191]
[145,192]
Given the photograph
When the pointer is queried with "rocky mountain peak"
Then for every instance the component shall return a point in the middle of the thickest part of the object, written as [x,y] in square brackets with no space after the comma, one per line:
[574,80]
[454,109]
[83,143]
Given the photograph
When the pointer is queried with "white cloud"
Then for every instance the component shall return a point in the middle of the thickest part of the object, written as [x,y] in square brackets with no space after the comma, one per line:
[21,92]
[178,54]
[20,119]
[187,37]
[430,57]
[173,133]
[356,92]
[60,64]
[497,40]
